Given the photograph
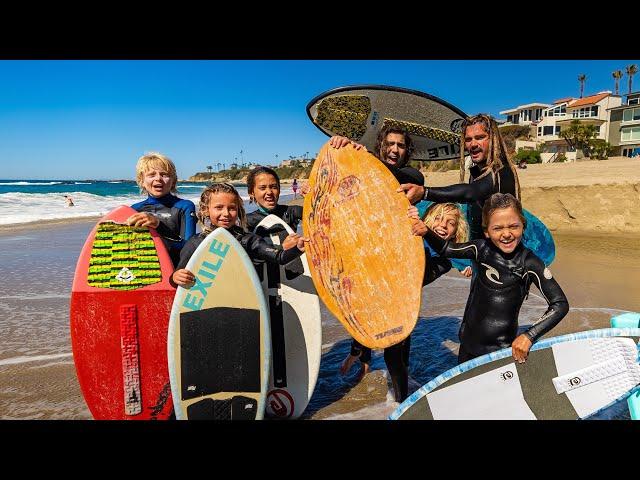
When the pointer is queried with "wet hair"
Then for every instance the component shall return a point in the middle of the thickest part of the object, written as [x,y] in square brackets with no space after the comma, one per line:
[155,160]
[497,157]
[381,143]
[251,179]
[462,231]
[499,201]
[205,198]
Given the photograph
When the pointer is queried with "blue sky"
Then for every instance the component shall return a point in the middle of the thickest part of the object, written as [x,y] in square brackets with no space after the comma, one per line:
[93,119]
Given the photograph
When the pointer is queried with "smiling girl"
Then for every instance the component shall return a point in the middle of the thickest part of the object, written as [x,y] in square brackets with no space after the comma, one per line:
[263,186]
[506,270]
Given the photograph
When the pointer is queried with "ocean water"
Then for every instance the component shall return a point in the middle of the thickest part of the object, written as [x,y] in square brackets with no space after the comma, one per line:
[28,201]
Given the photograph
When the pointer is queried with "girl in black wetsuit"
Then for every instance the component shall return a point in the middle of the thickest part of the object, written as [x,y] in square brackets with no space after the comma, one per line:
[221,207]
[263,186]
[506,269]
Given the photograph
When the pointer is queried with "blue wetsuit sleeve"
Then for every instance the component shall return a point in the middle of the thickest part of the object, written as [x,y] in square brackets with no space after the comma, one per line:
[551,292]
[189,221]
[462,192]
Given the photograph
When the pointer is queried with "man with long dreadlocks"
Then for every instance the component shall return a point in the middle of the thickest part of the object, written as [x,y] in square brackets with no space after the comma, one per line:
[491,172]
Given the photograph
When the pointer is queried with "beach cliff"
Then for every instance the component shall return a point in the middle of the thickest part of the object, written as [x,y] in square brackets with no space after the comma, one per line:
[586,197]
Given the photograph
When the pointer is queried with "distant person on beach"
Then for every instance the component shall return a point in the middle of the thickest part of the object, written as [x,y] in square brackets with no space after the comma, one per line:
[522,164]
[506,271]
[294,187]
[221,207]
[394,147]
[491,172]
[69,201]
[263,186]
[174,218]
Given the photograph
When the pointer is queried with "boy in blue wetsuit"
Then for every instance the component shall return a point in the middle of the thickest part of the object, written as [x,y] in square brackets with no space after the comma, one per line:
[174,218]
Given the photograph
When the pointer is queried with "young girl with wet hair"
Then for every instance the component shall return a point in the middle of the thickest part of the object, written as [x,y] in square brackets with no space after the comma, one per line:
[263,185]
[221,207]
[506,269]
[448,221]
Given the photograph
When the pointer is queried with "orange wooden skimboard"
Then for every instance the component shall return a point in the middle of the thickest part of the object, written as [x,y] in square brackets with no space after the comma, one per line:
[366,264]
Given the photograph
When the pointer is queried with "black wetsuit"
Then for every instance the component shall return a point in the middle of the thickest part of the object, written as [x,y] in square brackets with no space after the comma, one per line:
[254,245]
[291,214]
[177,221]
[396,357]
[406,174]
[500,287]
[475,193]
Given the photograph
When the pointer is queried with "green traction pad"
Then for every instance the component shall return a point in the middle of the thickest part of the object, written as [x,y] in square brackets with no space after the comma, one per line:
[123,258]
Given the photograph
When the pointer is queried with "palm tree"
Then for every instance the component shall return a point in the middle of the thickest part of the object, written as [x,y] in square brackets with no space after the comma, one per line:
[209,168]
[631,71]
[617,75]
[582,78]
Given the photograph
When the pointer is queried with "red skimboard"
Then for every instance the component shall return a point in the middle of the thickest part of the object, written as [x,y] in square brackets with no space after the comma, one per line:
[120,305]
[366,265]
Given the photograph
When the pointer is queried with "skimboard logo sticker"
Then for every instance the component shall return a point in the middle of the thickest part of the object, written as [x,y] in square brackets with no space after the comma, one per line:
[508,375]
[280,403]
[491,272]
[125,275]
[392,331]
[348,188]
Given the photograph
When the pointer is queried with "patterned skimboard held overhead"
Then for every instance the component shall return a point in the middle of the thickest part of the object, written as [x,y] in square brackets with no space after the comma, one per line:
[296,327]
[219,344]
[366,265]
[360,112]
[120,304]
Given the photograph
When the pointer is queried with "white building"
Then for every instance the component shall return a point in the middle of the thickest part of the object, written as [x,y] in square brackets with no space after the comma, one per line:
[528,114]
[590,110]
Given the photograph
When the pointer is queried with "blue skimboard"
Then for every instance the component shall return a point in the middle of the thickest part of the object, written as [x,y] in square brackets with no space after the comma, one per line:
[626,320]
[537,236]
[629,320]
